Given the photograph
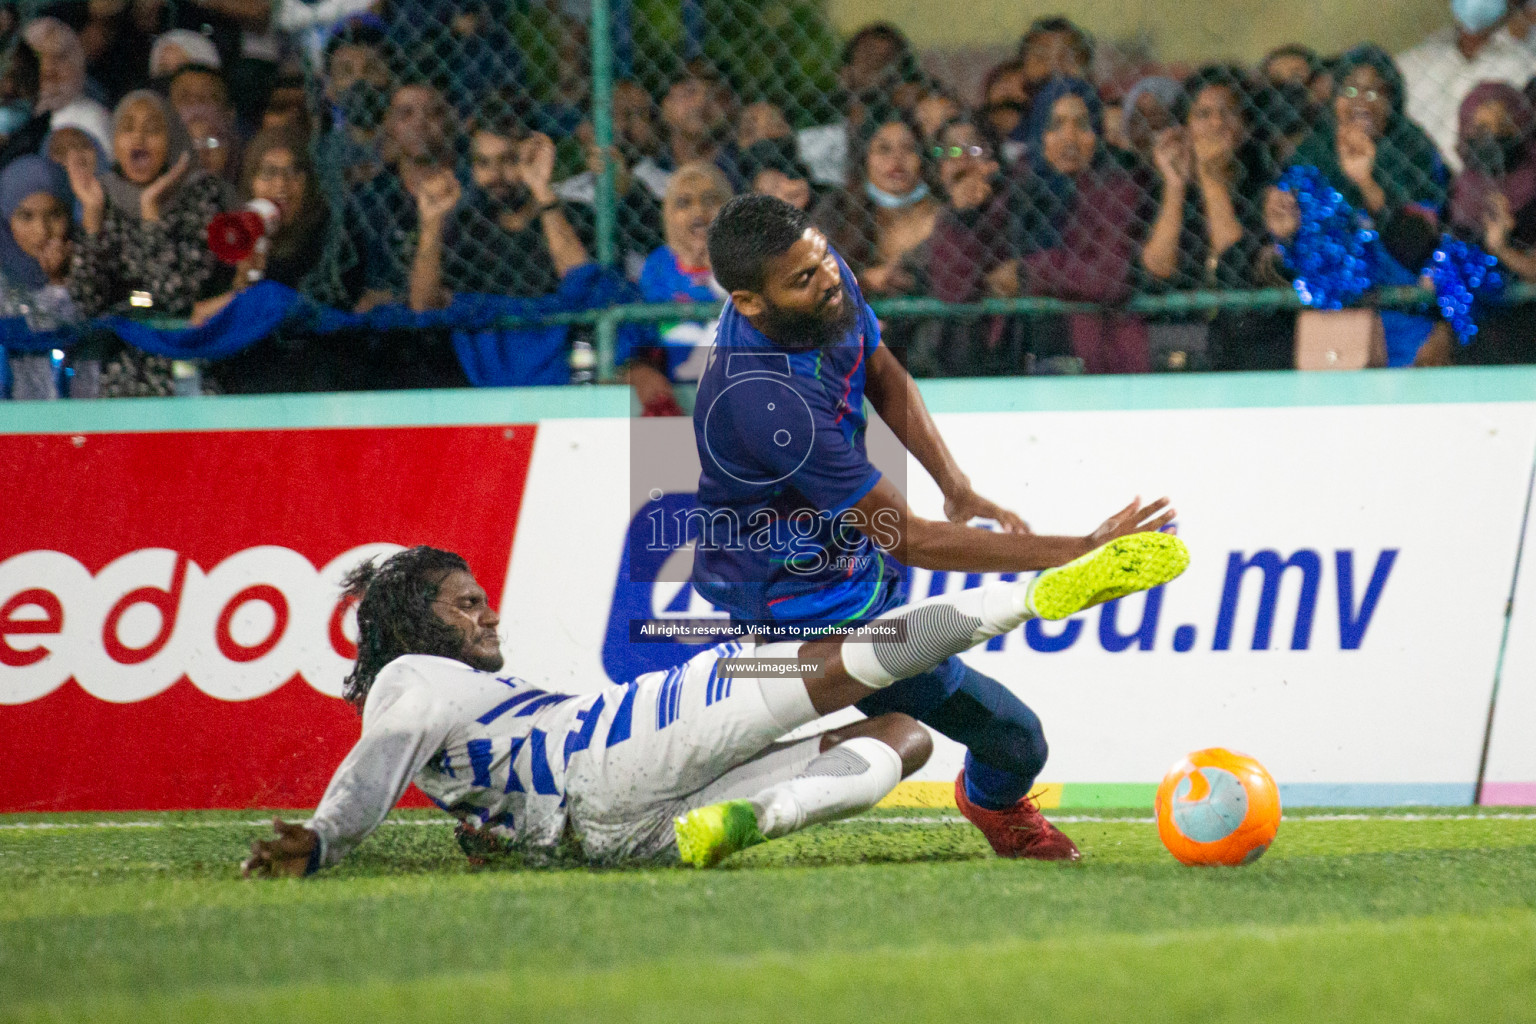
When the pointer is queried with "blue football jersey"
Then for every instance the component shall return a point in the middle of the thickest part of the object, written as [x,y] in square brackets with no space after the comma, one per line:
[780,435]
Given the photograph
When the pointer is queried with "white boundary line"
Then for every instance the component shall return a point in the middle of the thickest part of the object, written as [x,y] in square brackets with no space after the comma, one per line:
[945,819]
[1080,819]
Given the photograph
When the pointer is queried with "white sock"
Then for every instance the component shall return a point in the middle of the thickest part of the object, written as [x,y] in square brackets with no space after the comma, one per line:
[787,699]
[937,629]
[851,777]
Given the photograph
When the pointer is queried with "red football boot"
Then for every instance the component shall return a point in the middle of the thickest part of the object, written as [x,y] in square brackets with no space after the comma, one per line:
[1020,831]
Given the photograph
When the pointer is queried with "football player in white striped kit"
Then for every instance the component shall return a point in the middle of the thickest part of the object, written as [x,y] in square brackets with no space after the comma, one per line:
[683,764]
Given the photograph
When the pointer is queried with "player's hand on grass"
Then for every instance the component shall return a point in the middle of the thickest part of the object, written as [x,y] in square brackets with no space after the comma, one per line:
[1134,518]
[481,846]
[284,857]
[965,504]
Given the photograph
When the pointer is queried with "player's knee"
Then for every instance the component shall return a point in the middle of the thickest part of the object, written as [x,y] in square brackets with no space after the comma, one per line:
[1013,743]
[1023,737]
[906,735]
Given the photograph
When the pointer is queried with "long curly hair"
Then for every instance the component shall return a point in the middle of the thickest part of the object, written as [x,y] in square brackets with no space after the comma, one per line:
[394,613]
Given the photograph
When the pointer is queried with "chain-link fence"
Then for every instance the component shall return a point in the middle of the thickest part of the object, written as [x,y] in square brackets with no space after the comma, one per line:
[1077,206]
[1142,196]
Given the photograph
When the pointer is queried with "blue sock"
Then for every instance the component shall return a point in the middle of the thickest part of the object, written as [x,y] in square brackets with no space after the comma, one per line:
[994,789]
[985,716]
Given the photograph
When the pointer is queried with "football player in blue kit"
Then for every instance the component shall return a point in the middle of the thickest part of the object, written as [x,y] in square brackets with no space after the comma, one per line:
[802,528]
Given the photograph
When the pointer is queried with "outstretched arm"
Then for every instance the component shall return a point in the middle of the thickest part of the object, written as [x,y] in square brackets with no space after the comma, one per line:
[895,396]
[393,748]
[932,544]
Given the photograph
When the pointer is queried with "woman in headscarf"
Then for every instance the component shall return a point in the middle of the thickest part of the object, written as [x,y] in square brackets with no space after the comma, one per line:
[1146,111]
[35,249]
[1494,202]
[1494,198]
[1209,229]
[146,231]
[1075,226]
[62,82]
[1386,167]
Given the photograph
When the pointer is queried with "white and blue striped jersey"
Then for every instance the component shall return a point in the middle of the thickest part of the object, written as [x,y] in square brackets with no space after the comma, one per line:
[496,751]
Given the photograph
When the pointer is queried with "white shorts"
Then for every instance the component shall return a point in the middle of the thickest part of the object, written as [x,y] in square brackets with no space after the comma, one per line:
[694,738]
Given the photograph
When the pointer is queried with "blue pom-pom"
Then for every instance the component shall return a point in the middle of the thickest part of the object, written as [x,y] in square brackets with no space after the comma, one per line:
[1463,277]
[1333,253]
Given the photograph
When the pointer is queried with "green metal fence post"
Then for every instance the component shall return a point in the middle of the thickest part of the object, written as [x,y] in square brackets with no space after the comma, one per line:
[607,202]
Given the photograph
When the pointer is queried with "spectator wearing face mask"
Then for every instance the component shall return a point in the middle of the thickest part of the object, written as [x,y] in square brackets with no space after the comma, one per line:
[35,253]
[1439,72]
[1494,197]
[1493,202]
[62,81]
[889,207]
[1076,222]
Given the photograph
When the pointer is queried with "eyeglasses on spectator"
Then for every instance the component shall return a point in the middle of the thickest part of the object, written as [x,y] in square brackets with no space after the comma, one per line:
[956,152]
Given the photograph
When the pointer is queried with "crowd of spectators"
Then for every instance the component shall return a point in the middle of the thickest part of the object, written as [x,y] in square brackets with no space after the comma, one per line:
[410,163]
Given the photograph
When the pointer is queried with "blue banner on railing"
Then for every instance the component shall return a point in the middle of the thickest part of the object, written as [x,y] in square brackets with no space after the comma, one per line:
[491,355]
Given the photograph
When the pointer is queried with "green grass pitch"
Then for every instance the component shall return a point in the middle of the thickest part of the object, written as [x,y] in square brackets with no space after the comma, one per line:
[898,916]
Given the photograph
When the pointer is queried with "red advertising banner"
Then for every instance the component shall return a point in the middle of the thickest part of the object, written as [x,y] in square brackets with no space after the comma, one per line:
[171,634]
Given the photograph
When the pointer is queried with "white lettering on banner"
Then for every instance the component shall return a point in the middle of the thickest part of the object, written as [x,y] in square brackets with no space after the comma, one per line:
[238,631]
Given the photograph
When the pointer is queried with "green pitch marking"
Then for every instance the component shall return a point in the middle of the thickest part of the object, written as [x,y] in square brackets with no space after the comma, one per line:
[1108,794]
[1407,914]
